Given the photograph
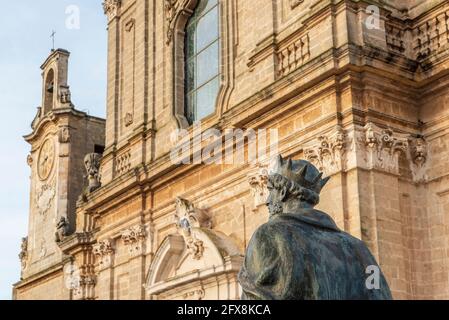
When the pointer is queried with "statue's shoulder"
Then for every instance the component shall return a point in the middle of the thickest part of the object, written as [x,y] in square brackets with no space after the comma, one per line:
[353,240]
[266,228]
[269,230]
[359,246]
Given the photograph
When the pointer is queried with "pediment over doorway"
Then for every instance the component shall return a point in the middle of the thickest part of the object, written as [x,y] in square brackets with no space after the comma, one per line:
[179,272]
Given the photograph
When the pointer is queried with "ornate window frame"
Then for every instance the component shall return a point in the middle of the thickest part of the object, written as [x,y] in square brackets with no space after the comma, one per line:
[177,13]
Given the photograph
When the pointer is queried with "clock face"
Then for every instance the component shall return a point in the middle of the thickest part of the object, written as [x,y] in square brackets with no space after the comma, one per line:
[46,159]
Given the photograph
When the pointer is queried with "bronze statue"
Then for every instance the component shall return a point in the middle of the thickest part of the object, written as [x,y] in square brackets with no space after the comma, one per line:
[300,253]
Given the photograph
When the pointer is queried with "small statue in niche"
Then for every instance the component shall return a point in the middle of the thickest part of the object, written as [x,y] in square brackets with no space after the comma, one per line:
[300,253]
[62,229]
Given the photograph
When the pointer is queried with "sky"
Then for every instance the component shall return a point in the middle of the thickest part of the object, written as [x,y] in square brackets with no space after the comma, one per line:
[25,43]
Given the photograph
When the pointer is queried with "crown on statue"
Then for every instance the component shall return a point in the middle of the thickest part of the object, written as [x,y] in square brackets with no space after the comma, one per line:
[301,172]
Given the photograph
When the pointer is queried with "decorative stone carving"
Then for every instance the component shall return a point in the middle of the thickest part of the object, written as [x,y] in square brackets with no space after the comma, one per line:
[293,54]
[258,183]
[383,148]
[419,157]
[23,255]
[92,164]
[430,36]
[103,251]
[65,95]
[30,160]
[45,197]
[426,38]
[194,295]
[173,8]
[188,217]
[133,238]
[419,150]
[80,280]
[71,276]
[130,25]
[123,163]
[295,3]
[43,249]
[37,118]
[327,152]
[111,8]
[222,258]
[395,38]
[64,135]
[129,118]
[372,147]
[62,229]
[85,288]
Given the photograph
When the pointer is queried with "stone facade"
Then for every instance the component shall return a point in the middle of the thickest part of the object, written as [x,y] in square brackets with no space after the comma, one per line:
[360,91]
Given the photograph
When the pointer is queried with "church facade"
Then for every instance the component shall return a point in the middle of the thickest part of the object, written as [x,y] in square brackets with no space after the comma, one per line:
[359,88]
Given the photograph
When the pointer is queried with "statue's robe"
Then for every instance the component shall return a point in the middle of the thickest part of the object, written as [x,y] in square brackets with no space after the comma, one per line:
[306,256]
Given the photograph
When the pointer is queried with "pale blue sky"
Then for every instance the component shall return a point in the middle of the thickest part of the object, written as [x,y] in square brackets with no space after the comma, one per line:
[25,28]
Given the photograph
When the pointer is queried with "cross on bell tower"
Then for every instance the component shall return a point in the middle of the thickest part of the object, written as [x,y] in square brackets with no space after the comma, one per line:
[52,36]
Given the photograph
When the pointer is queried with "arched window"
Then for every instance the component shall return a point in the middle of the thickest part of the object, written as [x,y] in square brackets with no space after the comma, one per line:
[202,61]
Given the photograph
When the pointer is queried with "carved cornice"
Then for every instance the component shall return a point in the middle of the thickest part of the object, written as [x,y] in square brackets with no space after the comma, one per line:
[381,149]
[111,8]
[384,147]
[326,152]
[370,147]
[40,123]
[75,242]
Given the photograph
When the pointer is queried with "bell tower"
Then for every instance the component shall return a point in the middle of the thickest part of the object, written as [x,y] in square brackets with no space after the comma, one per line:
[55,90]
[61,138]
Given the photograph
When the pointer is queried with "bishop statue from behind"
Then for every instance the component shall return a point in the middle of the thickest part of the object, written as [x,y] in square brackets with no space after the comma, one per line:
[300,253]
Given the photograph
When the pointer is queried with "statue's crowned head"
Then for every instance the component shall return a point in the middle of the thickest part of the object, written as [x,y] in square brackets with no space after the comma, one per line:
[294,182]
